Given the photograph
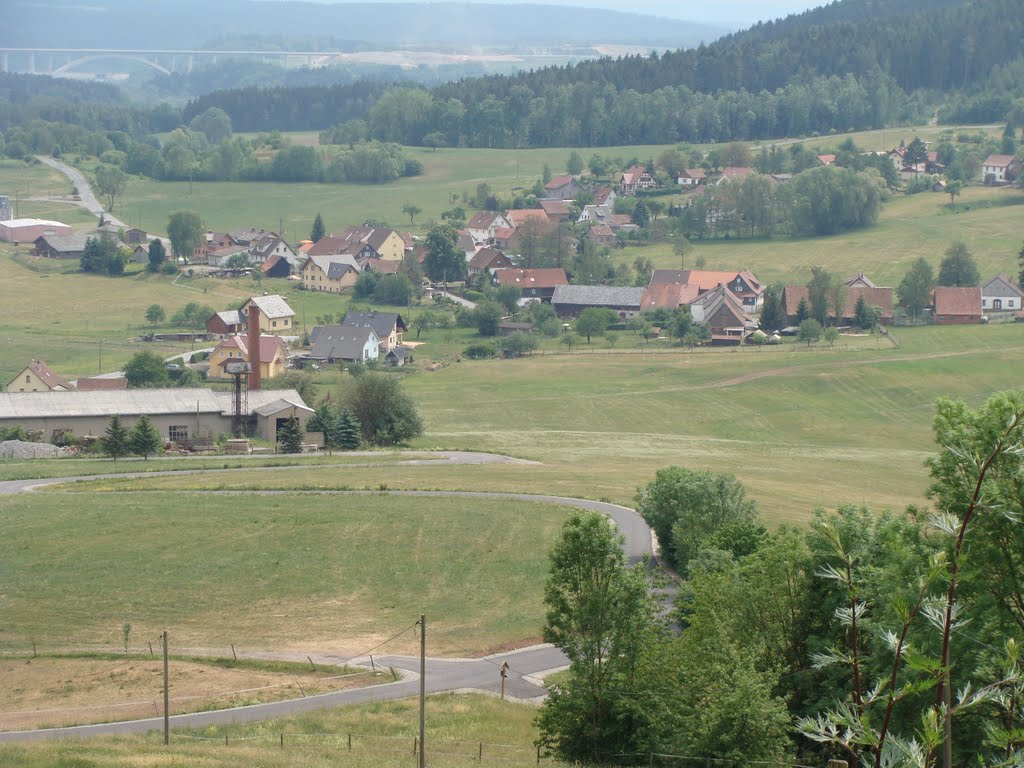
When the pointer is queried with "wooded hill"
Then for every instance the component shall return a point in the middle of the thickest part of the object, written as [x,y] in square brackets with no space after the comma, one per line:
[852,65]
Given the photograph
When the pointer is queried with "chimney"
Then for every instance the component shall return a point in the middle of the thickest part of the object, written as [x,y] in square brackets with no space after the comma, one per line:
[254,345]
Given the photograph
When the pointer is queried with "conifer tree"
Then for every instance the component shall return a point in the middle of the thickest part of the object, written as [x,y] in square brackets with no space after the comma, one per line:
[347,431]
[115,441]
[289,437]
[802,311]
[145,438]
[860,313]
[318,229]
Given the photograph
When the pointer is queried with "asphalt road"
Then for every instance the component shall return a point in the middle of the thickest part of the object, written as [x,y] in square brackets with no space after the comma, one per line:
[88,199]
[442,675]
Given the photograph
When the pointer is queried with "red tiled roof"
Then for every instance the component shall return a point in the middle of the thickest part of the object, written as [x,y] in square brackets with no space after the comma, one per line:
[532,278]
[667,296]
[826,159]
[486,256]
[519,217]
[555,207]
[999,161]
[49,378]
[735,172]
[957,301]
[482,220]
[558,182]
[93,384]
[694,173]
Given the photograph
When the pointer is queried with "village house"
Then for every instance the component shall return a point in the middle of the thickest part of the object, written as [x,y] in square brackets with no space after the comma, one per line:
[388,326]
[604,196]
[343,344]
[997,169]
[953,306]
[276,266]
[635,178]
[212,242]
[226,323]
[381,266]
[518,217]
[140,254]
[333,274]
[556,210]
[97,384]
[724,315]
[384,243]
[601,214]
[601,235]
[276,317]
[270,247]
[487,260]
[1001,294]
[826,159]
[562,188]
[273,356]
[569,301]
[219,257]
[691,177]
[536,284]
[481,227]
[860,280]
[735,173]
[743,285]
[38,377]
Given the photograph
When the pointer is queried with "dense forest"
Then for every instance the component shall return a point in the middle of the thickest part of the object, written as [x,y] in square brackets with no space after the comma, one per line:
[851,65]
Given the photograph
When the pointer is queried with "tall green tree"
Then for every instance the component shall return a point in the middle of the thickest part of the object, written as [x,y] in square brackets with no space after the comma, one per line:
[818,293]
[686,508]
[386,414]
[444,260]
[318,231]
[111,182]
[641,214]
[157,255]
[773,317]
[146,369]
[574,166]
[487,317]
[599,613]
[958,267]
[115,439]
[155,314]
[185,230]
[810,331]
[412,211]
[347,431]
[594,321]
[915,290]
[144,438]
[802,310]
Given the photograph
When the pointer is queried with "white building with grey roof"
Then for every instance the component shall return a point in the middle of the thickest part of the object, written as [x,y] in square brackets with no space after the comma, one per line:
[183,416]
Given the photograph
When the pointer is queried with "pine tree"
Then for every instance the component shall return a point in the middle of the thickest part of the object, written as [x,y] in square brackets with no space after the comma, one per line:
[324,421]
[157,255]
[289,436]
[802,311]
[92,256]
[145,438]
[115,441]
[318,229]
[347,431]
[860,314]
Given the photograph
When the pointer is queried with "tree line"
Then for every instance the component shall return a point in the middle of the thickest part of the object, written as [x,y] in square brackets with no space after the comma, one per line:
[883,638]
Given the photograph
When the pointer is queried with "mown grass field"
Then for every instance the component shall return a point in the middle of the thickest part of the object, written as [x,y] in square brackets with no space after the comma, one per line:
[382,736]
[312,573]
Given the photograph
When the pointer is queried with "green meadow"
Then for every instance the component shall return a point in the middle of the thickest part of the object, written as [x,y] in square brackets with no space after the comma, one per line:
[316,573]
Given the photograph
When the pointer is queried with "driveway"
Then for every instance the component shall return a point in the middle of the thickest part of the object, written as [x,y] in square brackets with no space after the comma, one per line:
[88,199]
[525,666]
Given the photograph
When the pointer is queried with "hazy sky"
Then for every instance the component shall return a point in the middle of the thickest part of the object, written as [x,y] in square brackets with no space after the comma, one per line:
[732,13]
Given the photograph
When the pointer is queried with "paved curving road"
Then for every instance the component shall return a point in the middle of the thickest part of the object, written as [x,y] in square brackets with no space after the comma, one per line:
[526,666]
[88,199]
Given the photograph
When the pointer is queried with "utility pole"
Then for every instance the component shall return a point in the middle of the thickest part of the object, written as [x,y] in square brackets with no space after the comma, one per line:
[423,688]
[504,674]
[167,698]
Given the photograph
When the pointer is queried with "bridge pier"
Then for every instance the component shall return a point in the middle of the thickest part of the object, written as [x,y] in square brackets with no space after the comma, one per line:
[3,61]
[49,64]
[32,63]
[188,64]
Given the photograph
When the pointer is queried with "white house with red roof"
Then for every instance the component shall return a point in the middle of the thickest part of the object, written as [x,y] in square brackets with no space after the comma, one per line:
[997,169]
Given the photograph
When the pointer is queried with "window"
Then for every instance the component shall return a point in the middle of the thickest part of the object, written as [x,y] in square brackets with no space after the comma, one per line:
[997,303]
[178,434]
[273,323]
[28,378]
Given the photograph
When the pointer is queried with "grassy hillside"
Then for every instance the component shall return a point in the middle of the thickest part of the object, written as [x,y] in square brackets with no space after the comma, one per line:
[990,221]
[311,573]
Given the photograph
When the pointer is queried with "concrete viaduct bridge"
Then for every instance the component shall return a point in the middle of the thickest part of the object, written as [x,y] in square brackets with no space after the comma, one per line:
[63,61]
